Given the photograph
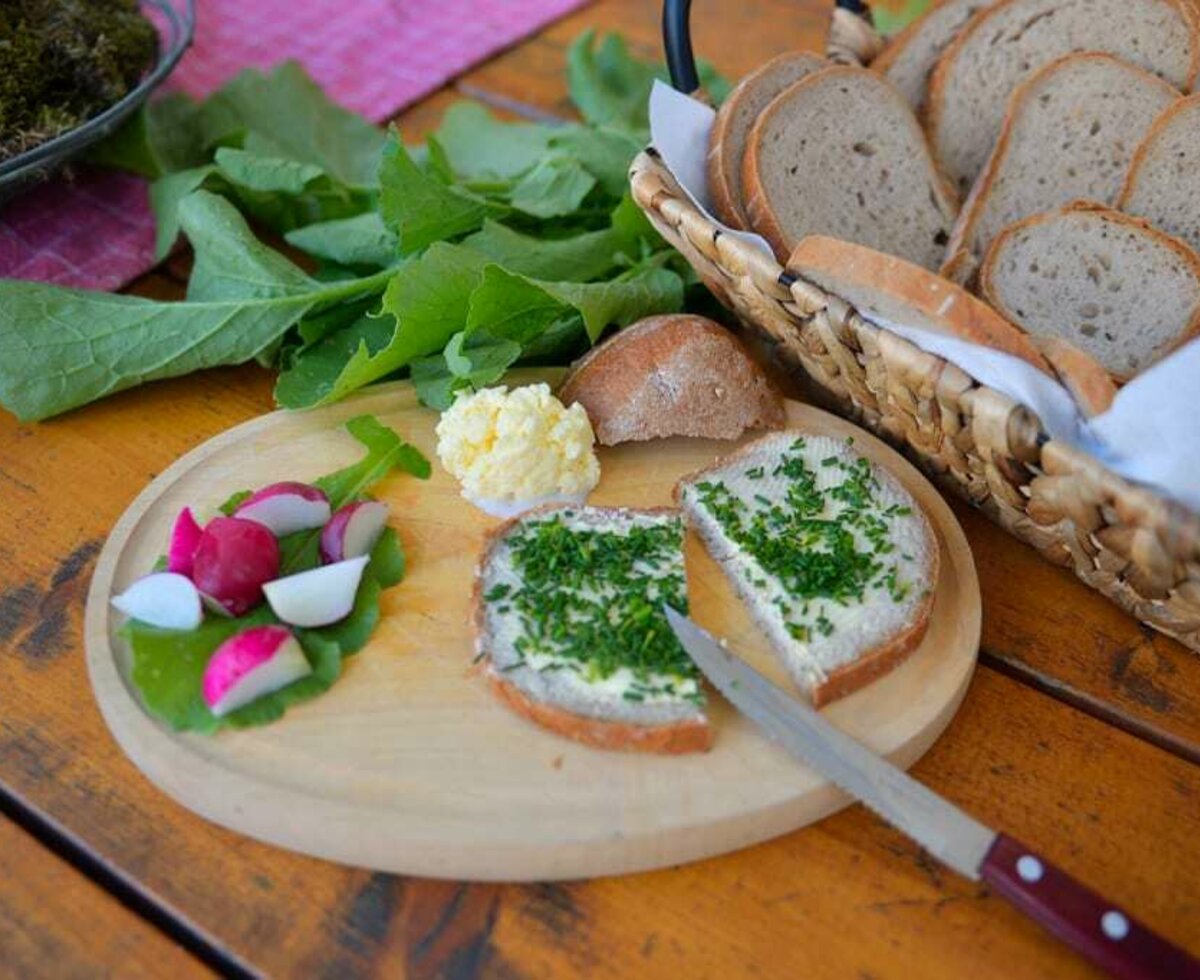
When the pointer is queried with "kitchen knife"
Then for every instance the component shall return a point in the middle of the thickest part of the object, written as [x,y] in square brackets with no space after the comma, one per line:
[1098,929]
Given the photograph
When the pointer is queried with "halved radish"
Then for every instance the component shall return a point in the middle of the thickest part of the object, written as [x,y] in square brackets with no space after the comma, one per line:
[353,530]
[252,663]
[232,562]
[164,599]
[185,536]
[286,508]
[317,597]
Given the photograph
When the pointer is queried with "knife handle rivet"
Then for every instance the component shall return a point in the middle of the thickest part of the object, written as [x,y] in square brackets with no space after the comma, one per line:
[1114,925]
[1029,868]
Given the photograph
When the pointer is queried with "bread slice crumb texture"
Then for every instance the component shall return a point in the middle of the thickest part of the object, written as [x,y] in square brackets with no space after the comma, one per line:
[1163,185]
[833,556]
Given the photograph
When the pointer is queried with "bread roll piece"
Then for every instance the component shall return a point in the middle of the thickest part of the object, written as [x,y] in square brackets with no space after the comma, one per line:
[840,153]
[672,375]
[610,566]
[834,558]
[885,289]
[1163,183]
[738,113]
[1069,133]
[1081,374]
[1005,44]
[1126,293]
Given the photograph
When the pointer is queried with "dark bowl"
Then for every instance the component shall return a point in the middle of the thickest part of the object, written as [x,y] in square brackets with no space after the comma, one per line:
[42,160]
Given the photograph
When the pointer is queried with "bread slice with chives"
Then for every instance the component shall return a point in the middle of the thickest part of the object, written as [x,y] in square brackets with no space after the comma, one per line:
[834,558]
[570,624]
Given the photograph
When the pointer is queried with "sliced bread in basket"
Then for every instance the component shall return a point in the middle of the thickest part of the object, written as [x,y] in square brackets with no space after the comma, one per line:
[1007,43]
[569,623]
[1089,385]
[840,153]
[735,119]
[835,560]
[1124,292]
[1163,184]
[1069,133]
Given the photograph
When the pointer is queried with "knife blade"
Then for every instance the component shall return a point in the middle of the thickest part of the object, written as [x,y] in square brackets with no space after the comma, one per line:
[1098,929]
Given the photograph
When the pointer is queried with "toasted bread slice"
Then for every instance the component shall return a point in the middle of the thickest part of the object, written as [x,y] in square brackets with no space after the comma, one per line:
[727,141]
[1126,293]
[616,678]
[840,153]
[834,558]
[1163,183]
[672,375]
[1081,374]
[1005,44]
[885,289]
[1069,133]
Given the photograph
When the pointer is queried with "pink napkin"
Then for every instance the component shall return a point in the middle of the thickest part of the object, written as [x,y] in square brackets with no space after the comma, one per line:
[372,56]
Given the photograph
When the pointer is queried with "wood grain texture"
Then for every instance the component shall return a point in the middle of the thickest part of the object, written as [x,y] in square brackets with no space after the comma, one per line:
[434,776]
[54,922]
[847,897]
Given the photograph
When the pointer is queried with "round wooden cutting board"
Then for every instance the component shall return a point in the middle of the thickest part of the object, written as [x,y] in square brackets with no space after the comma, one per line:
[409,764]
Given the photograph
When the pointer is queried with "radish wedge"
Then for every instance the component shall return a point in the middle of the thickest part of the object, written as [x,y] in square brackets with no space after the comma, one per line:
[232,561]
[353,530]
[255,662]
[164,599]
[185,536]
[317,597]
[285,508]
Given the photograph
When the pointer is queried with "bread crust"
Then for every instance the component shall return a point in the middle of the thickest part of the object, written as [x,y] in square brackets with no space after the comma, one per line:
[720,162]
[953,308]
[1181,248]
[878,660]
[693,735]
[610,379]
[1082,375]
[964,228]
[1147,144]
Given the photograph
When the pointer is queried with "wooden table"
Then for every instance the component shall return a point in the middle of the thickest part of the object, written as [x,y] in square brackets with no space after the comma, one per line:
[1080,735]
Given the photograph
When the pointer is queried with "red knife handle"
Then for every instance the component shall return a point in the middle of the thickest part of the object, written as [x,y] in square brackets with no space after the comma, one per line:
[1110,937]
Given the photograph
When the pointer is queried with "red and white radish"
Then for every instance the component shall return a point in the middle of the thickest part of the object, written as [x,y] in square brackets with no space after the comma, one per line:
[164,599]
[317,597]
[185,536]
[233,561]
[252,663]
[286,508]
[353,530]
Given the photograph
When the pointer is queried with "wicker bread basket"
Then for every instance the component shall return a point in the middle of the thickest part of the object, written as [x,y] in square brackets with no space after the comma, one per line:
[1124,540]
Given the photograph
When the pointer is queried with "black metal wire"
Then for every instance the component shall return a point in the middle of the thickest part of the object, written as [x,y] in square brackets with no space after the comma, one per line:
[856,7]
[677,40]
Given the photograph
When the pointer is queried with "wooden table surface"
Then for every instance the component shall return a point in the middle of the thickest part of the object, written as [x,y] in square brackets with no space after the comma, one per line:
[1080,735]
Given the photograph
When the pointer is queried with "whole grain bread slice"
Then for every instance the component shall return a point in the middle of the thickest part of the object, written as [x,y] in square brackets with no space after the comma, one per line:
[840,153]
[834,631]
[1069,133]
[885,290]
[1003,45]
[1124,292]
[1163,183]
[563,695]
[910,56]
[672,375]
[736,117]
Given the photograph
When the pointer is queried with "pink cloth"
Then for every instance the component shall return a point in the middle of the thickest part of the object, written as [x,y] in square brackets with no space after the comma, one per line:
[372,56]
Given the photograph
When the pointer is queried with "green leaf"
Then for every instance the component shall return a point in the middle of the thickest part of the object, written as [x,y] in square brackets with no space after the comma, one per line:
[160,138]
[478,145]
[889,22]
[605,153]
[579,257]
[363,240]
[607,84]
[165,195]
[555,187]
[469,362]
[266,173]
[311,377]
[418,208]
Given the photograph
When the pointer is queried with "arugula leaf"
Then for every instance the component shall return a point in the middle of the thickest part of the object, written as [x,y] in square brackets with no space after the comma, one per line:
[361,240]
[579,257]
[61,348]
[607,84]
[475,144]
[605,153]
[160,138]
[469,362]
[165,195]
[556,186]
[311,375]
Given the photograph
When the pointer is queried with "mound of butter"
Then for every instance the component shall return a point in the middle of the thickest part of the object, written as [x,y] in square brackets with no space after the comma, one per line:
[513,450]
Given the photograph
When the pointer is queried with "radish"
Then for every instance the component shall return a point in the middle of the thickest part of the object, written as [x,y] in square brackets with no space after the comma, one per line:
[285,508]
[232,562]
[185,535]
[252,663]
[353,530]
[163,599]
[317,597]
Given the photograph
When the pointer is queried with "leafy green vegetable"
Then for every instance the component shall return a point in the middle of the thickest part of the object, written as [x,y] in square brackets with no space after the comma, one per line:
[168,665]
[469,361]
[476,145]
[556,186]
[361,240]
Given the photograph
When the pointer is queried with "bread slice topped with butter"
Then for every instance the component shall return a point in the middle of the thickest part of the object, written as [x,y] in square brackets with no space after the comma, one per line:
[570,624]
[834,558]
